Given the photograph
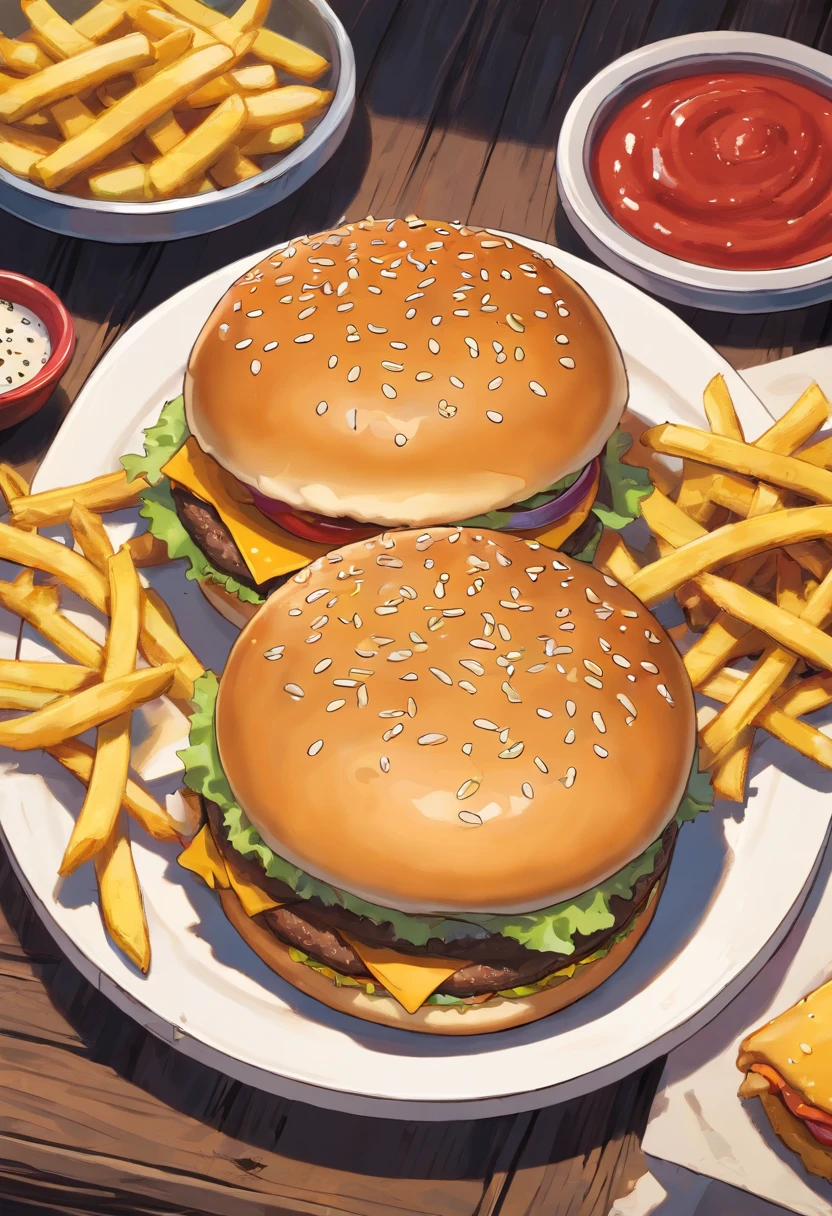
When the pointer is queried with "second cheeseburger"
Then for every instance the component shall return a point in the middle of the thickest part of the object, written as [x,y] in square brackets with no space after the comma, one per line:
[388,375]
[444,777]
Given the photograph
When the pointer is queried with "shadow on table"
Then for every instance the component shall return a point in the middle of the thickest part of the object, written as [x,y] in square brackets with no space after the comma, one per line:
[370,1146]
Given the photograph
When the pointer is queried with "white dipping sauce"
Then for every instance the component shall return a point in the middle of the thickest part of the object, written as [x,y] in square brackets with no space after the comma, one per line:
[24,345]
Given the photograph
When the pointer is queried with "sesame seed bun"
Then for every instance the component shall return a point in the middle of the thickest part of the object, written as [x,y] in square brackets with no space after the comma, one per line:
[499,1013]
[456,720]
[404,373]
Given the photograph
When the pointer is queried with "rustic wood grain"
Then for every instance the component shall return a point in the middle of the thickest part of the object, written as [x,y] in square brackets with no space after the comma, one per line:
[460,104]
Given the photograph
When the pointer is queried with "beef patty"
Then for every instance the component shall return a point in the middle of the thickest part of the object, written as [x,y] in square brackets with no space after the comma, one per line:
[495,962]
[210,535]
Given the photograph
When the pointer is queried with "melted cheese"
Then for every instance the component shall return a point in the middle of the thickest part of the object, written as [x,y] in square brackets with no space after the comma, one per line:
[410,980]
[553,535]
[266,548]
[203,858]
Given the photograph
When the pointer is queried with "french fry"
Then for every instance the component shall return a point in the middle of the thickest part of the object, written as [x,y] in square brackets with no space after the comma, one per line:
[251,14]
[731,772]
[232,167]
[91,536]
[12,484]
[787,471]
[292,103]
[19,152]
[797,425]
[128,184]
[71,76]
[47,677]
[732,492]
[732,542]
[40,607]
[159,643]
[694,496]
[212,93]
[256,78]
[128,117]
[74,714]
[110,492]
[77,758]
[810,695]
[819,453]
[12,696]
[59,39]
[198,150]
[103,19]
[290,56]
[725,638]
[668,521]
[209,19]
[120,897]
[806,739]
[23,57]
[72,116]
[159,24]
[720,411]
[613,557]
[167,50]
[165,133]
[273,139]
[147,550]
[111,762]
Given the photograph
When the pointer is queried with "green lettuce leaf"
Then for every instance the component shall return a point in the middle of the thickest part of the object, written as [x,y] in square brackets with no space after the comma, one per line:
[628,485]
[162,441]
[547,929]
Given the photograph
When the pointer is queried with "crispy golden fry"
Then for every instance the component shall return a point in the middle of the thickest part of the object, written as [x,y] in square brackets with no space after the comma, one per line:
[23,57]
[732,492]
[48,677]
[209,19]
[82,710]
[72,76]
[798,424]
[111,763]
[60,39]
[40,606]
[786,471]
[251,14]
[798,634]
[77,758]
[256,78]
[731,772]
[167,50]
[128,117]
[158,23]
[812,556]
[103,19]
[232,167]
[198,150]
[91,536]
[719,409]
[14,696]
[613,557]
[804,738]
[791,590]
[147,550]
[292,103]
[128,184]
[72,116]
[159,643]
[668,521]
[732,542]
[12,484]
[165,133]
[114,90]
[272,140]
[819,453]
[120,897]
[694,492]
[110,492]
[212,93]
[291,56]
[18,153]
[725,637]
[810,695]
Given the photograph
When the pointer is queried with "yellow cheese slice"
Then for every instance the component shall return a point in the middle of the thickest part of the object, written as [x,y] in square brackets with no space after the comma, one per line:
[410,980]
[202,857]
[553,535]
[266,548]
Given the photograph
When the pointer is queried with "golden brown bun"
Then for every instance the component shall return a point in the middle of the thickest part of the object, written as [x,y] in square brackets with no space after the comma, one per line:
[235,610]
[796,1136]
[500,1013]
[390,674]
[374,427]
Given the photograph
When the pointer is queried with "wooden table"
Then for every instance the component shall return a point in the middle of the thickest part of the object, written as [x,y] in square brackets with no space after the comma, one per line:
[460,103]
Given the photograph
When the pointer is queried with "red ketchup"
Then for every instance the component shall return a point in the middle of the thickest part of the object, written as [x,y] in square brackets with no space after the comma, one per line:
[731,170]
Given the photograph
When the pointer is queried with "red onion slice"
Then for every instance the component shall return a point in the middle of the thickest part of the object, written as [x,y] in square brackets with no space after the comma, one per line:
[821,1131]
[559,507]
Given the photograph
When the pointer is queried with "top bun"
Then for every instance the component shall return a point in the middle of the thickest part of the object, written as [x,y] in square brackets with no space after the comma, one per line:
[456,721]
[404,373]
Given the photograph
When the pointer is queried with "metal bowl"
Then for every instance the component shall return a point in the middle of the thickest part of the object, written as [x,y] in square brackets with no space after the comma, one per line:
[745,291]
[311,22]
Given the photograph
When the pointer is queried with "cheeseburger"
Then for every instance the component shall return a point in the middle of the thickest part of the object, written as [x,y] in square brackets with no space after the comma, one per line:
[443,776]
[388,375]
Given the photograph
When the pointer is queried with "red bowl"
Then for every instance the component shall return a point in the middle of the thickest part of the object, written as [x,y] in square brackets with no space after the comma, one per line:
[22,402]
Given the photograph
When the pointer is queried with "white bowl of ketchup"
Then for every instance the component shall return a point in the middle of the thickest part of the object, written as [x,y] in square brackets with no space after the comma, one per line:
[700,168]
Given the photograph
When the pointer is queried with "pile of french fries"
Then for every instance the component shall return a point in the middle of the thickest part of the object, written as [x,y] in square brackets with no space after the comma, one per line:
[151,99]
[101,685]
[744,541]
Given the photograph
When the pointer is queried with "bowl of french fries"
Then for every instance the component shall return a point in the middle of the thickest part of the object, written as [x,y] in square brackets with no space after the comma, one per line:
[146,120]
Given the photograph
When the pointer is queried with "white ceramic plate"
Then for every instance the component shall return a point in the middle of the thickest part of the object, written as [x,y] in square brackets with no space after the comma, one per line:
[734,885]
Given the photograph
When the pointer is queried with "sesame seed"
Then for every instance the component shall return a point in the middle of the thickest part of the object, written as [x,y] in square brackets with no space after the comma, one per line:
[284,278]
[569,737]
[562,339]
[242,345]
[433,346]
[440,675]
[493,416]
[544,713]
[540,764]
[377,329]
[599,722]
[362,696]
[376,291]
[593,667]
[353,374]
[569,779]
[480,644]
[436,320]
[537,388]
[276,652]
[389,366]
[345,683]
[392,732]
[321,408]
[563,312]
[593,682]
[389,392]
[512,752]
[304,313]
[332,361]
[431,739]
[315,747]
[571,708]
[515,322]
[400,440]
[473,348]
[270,346]
[456,382]
[495,383]
[651,667]
[384,764]
[334,705]
[255,367]
[567,362]
[600,751]
[399,345]
[411,708]
[469,816]
[539,313]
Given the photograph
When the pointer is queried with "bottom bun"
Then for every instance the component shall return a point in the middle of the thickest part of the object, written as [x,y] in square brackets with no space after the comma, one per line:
[500,1013]
[235,610]
[795,1135]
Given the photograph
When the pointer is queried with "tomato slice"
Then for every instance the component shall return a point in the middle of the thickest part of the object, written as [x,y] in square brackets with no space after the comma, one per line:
[309,526]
